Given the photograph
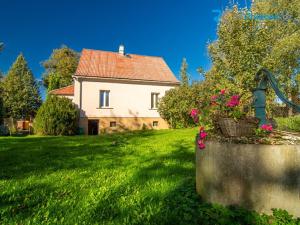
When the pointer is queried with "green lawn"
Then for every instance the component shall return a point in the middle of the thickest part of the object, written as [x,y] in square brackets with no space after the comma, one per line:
[134,178]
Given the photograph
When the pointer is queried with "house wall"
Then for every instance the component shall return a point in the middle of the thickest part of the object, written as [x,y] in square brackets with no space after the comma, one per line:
[123,124]
[130,105]
[126,99]
[67,96]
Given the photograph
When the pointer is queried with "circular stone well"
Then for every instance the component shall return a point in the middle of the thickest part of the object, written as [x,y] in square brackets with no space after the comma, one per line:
[257,177]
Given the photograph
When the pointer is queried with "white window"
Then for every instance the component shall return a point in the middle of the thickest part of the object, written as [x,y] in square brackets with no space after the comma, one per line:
[104,98]
[154,100]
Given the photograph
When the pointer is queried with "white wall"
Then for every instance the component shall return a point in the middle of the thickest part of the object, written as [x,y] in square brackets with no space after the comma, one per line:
[126,100]
[67,96]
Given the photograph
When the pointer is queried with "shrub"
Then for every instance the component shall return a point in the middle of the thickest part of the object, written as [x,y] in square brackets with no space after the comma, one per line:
[289,123]
[57,116]
[177,103]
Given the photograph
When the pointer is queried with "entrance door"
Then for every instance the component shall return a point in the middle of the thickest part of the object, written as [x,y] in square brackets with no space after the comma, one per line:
[93,127]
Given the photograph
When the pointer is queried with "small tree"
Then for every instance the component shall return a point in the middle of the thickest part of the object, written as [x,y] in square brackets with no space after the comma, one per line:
[57,116]
[21,92]
[183,73]
[60,68]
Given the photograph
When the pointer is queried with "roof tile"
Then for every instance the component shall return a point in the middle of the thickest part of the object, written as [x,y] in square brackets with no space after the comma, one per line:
[103,64]
[69,90]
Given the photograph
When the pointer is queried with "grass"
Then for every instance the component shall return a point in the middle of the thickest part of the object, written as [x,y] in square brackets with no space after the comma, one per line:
[289,123]
[134,178]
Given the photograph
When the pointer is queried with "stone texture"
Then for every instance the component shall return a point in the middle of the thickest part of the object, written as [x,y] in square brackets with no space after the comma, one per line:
[258,177]
[123,124]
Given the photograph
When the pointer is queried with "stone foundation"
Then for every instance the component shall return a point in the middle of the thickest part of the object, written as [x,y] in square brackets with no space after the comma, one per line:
[258,177]
[124,124]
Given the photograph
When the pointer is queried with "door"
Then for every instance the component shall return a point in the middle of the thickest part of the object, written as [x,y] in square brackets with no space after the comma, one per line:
[93,127]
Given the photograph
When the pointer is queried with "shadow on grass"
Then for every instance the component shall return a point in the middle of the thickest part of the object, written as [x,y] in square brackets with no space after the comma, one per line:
[21,157]
[179,205]
[161,189]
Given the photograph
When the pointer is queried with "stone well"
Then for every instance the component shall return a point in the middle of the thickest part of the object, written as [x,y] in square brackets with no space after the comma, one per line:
[257,177]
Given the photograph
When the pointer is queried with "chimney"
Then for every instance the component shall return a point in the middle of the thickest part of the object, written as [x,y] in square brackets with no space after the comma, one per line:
[121,50]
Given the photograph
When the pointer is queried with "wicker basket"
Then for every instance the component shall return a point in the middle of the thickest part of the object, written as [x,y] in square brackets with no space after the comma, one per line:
[246,128]
[232,128]
[229,127]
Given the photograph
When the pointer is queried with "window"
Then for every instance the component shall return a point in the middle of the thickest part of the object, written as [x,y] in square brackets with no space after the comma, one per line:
[113,124]
[155,124]
[104,99]
[154,100]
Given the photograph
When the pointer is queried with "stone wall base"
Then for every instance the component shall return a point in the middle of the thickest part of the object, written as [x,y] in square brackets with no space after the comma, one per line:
[258,177]
[124,124]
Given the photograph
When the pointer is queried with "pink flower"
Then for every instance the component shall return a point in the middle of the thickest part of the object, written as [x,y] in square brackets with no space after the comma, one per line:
[203,134]
[201,145]
[234,101]
[222,92]
[194,112]
[214,98]
[267,127]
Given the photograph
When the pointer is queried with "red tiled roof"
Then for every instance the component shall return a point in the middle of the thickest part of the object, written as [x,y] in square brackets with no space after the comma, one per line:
[103,64]
[69,90]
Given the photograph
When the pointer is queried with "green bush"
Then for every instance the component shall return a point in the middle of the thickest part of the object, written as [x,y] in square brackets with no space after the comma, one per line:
[176,105]
[57,116]
[289,123]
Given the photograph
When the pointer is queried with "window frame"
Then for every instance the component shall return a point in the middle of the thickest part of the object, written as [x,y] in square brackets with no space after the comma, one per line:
[106,99]
[156,123]
[154,100]
[114,123]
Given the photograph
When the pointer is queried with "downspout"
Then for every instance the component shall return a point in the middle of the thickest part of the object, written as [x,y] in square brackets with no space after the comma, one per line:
[80,96]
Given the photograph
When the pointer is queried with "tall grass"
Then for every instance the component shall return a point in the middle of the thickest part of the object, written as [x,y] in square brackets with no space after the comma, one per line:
[289,123]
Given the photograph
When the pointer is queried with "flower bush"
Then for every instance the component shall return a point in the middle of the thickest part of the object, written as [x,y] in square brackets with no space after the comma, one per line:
[226,105]
[202,133]
[264,130]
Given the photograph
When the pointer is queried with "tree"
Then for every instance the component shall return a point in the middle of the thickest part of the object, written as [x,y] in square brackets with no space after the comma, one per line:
[57,116]
[246,42]
[21,92]
[1,99]
[1,91]
[183,73]
[60,68]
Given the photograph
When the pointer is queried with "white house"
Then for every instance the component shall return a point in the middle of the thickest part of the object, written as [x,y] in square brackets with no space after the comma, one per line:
[115,91]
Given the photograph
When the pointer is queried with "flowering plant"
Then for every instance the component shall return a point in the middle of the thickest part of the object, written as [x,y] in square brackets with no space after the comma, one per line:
[202,134]
[226,105]
[264,130]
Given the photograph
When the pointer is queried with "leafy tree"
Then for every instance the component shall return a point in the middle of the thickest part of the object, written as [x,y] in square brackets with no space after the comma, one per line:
[183,73]
[1,99]
[247,41]
[60,68]
[57,116]
[1,91]
[21,93]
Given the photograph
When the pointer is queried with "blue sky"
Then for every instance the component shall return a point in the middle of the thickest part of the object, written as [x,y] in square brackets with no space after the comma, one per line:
[172,29]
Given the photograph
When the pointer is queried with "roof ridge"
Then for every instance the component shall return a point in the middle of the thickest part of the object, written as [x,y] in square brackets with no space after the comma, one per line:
[124,55]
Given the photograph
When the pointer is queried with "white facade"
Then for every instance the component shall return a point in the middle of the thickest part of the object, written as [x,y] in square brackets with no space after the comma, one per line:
[126,99]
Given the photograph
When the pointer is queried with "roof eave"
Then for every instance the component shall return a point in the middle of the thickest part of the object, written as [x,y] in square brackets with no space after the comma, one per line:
[126,79]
